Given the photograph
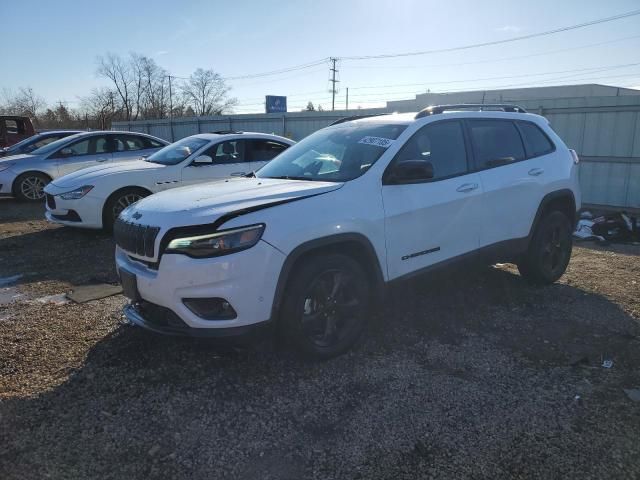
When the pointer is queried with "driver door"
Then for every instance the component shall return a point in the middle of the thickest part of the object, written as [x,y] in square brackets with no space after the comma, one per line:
[228,159]
[432,220]
[83,153]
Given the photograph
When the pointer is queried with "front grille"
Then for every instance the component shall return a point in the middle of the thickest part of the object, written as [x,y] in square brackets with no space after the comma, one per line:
[135,238]
[51,202]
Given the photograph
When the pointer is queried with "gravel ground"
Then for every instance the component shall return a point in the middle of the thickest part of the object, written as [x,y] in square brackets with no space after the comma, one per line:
[469,375]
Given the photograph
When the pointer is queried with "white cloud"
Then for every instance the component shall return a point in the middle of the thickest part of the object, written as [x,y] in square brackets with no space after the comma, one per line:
[159,53]
[509,29]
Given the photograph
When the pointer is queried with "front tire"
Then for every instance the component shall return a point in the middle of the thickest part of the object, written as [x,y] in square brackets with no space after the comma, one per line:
[29,187]
[326,305]
[549,252]
[117,202]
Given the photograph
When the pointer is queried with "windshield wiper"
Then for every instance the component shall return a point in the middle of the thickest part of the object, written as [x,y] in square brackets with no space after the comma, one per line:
[250,175]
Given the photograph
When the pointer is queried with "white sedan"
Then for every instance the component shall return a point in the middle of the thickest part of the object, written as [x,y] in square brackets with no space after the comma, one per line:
[95,196]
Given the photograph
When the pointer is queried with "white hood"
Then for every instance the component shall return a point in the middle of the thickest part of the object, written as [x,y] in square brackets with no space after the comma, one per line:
[206,202]
[89,176]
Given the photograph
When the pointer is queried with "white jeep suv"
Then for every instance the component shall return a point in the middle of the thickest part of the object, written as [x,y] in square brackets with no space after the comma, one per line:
[313,238]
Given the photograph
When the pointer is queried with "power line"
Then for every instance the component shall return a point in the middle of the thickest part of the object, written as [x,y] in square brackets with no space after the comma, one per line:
[504,59]
[609,67]
[498,42]
[276,72]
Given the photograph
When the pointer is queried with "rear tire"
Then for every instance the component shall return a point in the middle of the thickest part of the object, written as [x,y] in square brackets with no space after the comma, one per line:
[326,306]
[29,187]
[549,252]
[117,202]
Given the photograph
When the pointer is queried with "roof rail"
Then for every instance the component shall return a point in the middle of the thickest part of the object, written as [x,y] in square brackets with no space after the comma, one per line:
[226,132]
[436,109]
[355,117]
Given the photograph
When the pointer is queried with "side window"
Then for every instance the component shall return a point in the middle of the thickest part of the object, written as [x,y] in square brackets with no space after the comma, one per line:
[11,126]
[101,145]
[78,148]
[441,144]
[129,143]
[264,150]
[151,143]
[134,143]
[495,142]
[231,151]
[535,140]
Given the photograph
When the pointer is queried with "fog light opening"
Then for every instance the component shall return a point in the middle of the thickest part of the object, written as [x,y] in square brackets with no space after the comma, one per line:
[211,308]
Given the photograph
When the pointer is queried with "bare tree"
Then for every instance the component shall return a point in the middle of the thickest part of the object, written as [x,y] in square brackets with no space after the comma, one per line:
[102,106]
[118,71]
[23,102]
[207,93]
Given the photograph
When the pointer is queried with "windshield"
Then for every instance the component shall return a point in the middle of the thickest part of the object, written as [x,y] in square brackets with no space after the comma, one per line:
[177,152]
[16,147]
[336,154]
[53,146]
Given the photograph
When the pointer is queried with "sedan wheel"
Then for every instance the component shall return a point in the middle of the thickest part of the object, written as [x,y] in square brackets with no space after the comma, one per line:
[124,201]
[30,187]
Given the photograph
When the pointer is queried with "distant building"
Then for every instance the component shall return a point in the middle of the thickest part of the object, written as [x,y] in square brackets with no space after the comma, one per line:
[510,95]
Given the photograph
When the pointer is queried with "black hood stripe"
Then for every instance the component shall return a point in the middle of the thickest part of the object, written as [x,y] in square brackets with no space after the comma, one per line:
[193,230]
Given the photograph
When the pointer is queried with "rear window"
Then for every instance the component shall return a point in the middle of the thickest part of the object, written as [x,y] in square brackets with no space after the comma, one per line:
[535,140]
[496,142]
[11,126]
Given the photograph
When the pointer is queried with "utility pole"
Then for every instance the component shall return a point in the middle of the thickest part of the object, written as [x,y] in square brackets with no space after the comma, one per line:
[333,81]
[347,99]
[170,99]
[171,110]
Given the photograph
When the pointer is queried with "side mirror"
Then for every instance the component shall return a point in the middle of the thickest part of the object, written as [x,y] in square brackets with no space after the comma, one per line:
[202,160]
[66,152]
[411,171]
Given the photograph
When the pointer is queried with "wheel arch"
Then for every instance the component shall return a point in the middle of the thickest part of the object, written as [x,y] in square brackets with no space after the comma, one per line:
[355,245]
[562,200]
[120,191]
[14,185]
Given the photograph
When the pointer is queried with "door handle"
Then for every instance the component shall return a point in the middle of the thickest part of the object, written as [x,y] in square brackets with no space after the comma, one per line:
[534,172]
[101,159]
[467,187]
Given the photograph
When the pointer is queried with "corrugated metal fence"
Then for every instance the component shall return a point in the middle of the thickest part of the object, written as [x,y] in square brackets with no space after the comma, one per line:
[605,131]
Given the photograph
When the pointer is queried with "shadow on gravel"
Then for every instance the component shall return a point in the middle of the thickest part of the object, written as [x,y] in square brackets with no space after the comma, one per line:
[12,210]
[459,375]
[60,254]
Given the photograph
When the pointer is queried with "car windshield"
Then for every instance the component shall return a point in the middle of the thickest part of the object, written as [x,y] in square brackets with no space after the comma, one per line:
[53,146]
[336,154]
[177,152]
[16,147]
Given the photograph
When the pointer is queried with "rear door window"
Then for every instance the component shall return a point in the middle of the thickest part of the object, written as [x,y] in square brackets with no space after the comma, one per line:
[264,150]
[495,143]
[129,143]
[231,151]
[535,140]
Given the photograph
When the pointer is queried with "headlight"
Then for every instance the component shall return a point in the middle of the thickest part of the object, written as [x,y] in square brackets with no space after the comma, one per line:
[6,166]
[218,243]
[77,193]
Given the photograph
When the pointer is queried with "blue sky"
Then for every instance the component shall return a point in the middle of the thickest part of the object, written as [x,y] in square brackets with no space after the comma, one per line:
[52,46]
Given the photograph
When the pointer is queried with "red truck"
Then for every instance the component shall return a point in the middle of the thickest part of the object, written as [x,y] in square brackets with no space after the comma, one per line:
[14,129]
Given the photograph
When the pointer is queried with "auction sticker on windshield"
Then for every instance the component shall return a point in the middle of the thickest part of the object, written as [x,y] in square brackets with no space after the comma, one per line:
[377,141]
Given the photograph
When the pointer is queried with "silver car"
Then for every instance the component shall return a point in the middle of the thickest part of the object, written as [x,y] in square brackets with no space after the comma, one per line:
[25,176]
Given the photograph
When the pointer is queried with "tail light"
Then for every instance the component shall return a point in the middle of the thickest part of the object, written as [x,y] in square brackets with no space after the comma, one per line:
[574,155]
